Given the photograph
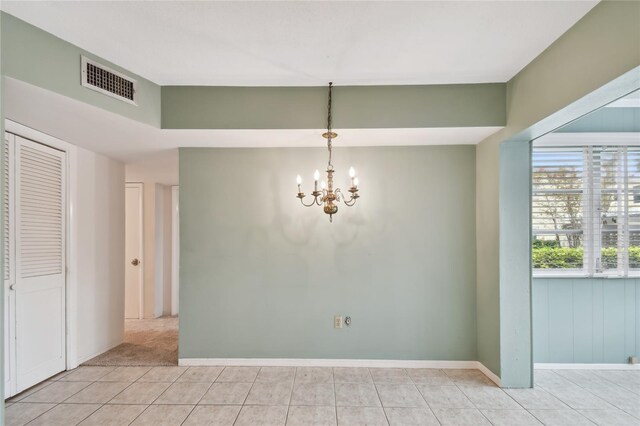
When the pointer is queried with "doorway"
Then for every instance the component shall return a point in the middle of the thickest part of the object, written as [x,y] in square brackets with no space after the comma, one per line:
[134,240]
[35,235]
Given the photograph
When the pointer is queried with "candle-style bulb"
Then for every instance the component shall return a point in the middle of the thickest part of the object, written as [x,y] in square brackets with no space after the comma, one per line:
[316,175]
[352,172]
[355,182]
[323,185]
[298,179]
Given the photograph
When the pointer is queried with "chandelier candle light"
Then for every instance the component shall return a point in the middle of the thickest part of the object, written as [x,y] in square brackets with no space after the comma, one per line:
[327,196]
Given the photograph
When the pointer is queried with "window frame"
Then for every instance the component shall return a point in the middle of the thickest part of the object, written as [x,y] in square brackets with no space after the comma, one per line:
[591,227]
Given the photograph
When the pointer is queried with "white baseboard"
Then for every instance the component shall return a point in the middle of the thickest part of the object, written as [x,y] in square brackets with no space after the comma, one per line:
[562,366]
[372,363]
[490,374]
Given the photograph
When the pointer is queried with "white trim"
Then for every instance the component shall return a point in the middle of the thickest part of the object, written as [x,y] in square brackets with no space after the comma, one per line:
[304,362]
[72,231]
[371,363]
[140,186]
[554,366]
[175,250]
[587,139]
[83,71]
[490,374]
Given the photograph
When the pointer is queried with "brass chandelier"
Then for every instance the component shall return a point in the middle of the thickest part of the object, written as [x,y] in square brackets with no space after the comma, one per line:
[327,196]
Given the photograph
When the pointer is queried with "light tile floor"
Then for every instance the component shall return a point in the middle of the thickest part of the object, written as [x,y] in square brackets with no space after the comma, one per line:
[324,396]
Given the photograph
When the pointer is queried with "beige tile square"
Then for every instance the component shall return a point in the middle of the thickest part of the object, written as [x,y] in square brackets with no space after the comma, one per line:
[411,416]
[390,375]
[314,375]
[536,398]
[65,415]
[610,417]
[565,417]
[460,417]
[183,393]
[226,393]
[163,415]
[356,395]
[429,376]
[313,394]
[400,396]
[86,374]
[489,398]
[114,415]
[209,415]
[361,416]
[125,374]
[238,374]
[579,398]
[57,392]
[468,377]
[98,393]
[444,397]
[270,394]
[256,415]
[276,374]
[311,416]
[140,393]
[200,374]
[510,418]
[352,375]
[33,389]
[21,413]
[163,374]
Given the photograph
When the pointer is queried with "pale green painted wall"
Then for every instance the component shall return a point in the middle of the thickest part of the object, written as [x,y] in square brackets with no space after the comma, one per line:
[459,105]
[606,120]
[39,58]
[586,320]
[569,79]
[262,276]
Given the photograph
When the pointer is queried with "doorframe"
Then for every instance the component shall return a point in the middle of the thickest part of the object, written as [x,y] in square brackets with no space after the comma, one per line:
[175,249]
[139,185]
[71,278]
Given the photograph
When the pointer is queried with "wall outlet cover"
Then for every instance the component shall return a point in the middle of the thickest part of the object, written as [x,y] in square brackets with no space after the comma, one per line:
[337,321]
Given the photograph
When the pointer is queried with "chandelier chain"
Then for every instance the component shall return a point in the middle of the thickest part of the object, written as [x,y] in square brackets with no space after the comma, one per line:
[329,144]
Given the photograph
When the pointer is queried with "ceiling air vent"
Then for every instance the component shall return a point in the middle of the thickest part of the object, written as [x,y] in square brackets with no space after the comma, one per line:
[103,79]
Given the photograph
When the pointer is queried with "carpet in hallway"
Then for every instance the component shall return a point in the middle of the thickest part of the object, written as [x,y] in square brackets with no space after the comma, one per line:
[147,342]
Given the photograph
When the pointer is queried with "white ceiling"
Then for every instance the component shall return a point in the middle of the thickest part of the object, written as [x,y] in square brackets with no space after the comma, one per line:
[149,148]
[310,42]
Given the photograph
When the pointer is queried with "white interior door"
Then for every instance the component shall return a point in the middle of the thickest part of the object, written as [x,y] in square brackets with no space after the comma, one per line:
[133,251]
[40,265]
[9,271]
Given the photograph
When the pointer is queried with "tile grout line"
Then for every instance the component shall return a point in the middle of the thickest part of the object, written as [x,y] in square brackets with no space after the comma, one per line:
[293,385]
[380,399]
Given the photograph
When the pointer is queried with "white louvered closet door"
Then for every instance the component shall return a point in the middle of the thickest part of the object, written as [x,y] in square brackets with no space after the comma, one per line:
[39,230]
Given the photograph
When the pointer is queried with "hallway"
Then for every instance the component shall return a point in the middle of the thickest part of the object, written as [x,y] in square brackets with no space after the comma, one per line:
[147,342]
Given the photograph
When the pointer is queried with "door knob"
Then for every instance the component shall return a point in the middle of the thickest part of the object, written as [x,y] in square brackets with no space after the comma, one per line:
[135,262]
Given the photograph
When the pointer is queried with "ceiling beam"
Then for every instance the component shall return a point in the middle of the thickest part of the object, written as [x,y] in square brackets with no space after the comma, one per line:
[361,107]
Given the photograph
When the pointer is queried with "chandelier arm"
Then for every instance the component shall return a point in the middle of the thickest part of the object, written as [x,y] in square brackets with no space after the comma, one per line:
[310,204]
[350,202]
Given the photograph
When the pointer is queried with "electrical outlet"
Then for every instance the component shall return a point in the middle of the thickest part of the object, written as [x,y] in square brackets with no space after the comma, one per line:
[337,321]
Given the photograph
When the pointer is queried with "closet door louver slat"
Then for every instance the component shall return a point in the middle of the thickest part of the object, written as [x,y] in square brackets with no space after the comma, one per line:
[41,204]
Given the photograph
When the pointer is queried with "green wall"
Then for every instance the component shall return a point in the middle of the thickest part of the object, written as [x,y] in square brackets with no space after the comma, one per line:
[586,320]
[41,59]
[355,107]
[606,120]
[262,277]
[595,62]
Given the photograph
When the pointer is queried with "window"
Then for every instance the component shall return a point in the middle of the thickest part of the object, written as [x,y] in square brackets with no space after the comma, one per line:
[586,210]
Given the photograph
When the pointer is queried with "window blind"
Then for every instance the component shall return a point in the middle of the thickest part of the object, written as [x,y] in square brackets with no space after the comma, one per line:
[586,209]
